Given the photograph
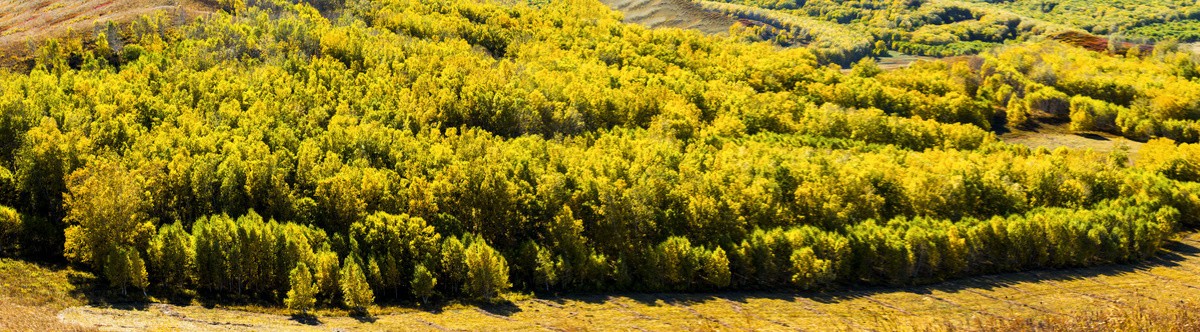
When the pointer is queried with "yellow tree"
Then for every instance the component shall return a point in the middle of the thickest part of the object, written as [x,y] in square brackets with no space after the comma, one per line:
[106,208]
[302,296]
[487,271]
[355,291]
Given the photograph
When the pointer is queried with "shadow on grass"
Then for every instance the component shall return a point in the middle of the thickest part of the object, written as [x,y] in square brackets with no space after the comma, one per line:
[505,308]
[306,319]
[1092,136]
[364,318]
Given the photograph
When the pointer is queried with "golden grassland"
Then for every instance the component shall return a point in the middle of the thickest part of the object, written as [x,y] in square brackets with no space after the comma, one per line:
[1157,295]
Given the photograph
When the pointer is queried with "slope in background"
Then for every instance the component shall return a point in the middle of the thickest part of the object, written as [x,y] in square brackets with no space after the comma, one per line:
[26,23]
[681,14]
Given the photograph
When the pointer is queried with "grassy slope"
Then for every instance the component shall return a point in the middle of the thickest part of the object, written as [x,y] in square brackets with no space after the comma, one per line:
[31,295]
[22,22]
[680,14]
[1154,292]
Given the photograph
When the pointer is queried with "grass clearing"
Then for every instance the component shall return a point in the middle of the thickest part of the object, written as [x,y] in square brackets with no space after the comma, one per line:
[1053,136]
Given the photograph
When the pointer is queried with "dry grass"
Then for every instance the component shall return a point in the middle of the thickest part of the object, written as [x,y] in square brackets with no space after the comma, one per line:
[1053,136]
[31,296]
[1183,317]
[678,14]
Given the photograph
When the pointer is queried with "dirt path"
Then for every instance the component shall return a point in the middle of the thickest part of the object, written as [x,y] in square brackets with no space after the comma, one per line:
[1158,283]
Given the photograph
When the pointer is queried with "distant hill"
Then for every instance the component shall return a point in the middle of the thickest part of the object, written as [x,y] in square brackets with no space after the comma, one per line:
[24,22]
[680,14]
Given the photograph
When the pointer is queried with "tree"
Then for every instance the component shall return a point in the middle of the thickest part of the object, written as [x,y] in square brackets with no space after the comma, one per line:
[356,292]
[423,282]
[171,253]
[374,274]
[303,295]
[487,271]
[677,262]
[546,270]
[10,228]
[391,273]
[810,271]
[137,271]
[454,261]
[106,208]
[1017,113]
[123,267]
[716,268]
[327,272]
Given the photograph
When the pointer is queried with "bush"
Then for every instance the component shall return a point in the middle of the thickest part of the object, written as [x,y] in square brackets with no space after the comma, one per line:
[10,229]
[1088,114]
[1049,102]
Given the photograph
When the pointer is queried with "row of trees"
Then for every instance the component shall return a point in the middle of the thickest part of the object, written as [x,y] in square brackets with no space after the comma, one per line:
[899,251]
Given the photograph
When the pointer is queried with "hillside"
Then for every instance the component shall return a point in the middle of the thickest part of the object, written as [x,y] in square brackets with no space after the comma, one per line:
[24,24]
[678,14]
[356,158]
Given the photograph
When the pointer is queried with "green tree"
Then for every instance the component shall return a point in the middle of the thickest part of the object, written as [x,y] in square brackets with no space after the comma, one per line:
[1017,113]
[716,268]
[546,270]
[809,270]
[356,292]
[454,261]
[302,296]
[374,273]
[487,271]
[423,283]
[124,267]
[677,262]
[171,253]
[327,272]
[10,228]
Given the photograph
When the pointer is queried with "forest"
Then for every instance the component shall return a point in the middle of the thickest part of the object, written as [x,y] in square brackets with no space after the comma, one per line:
[404,150]
[954,28]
